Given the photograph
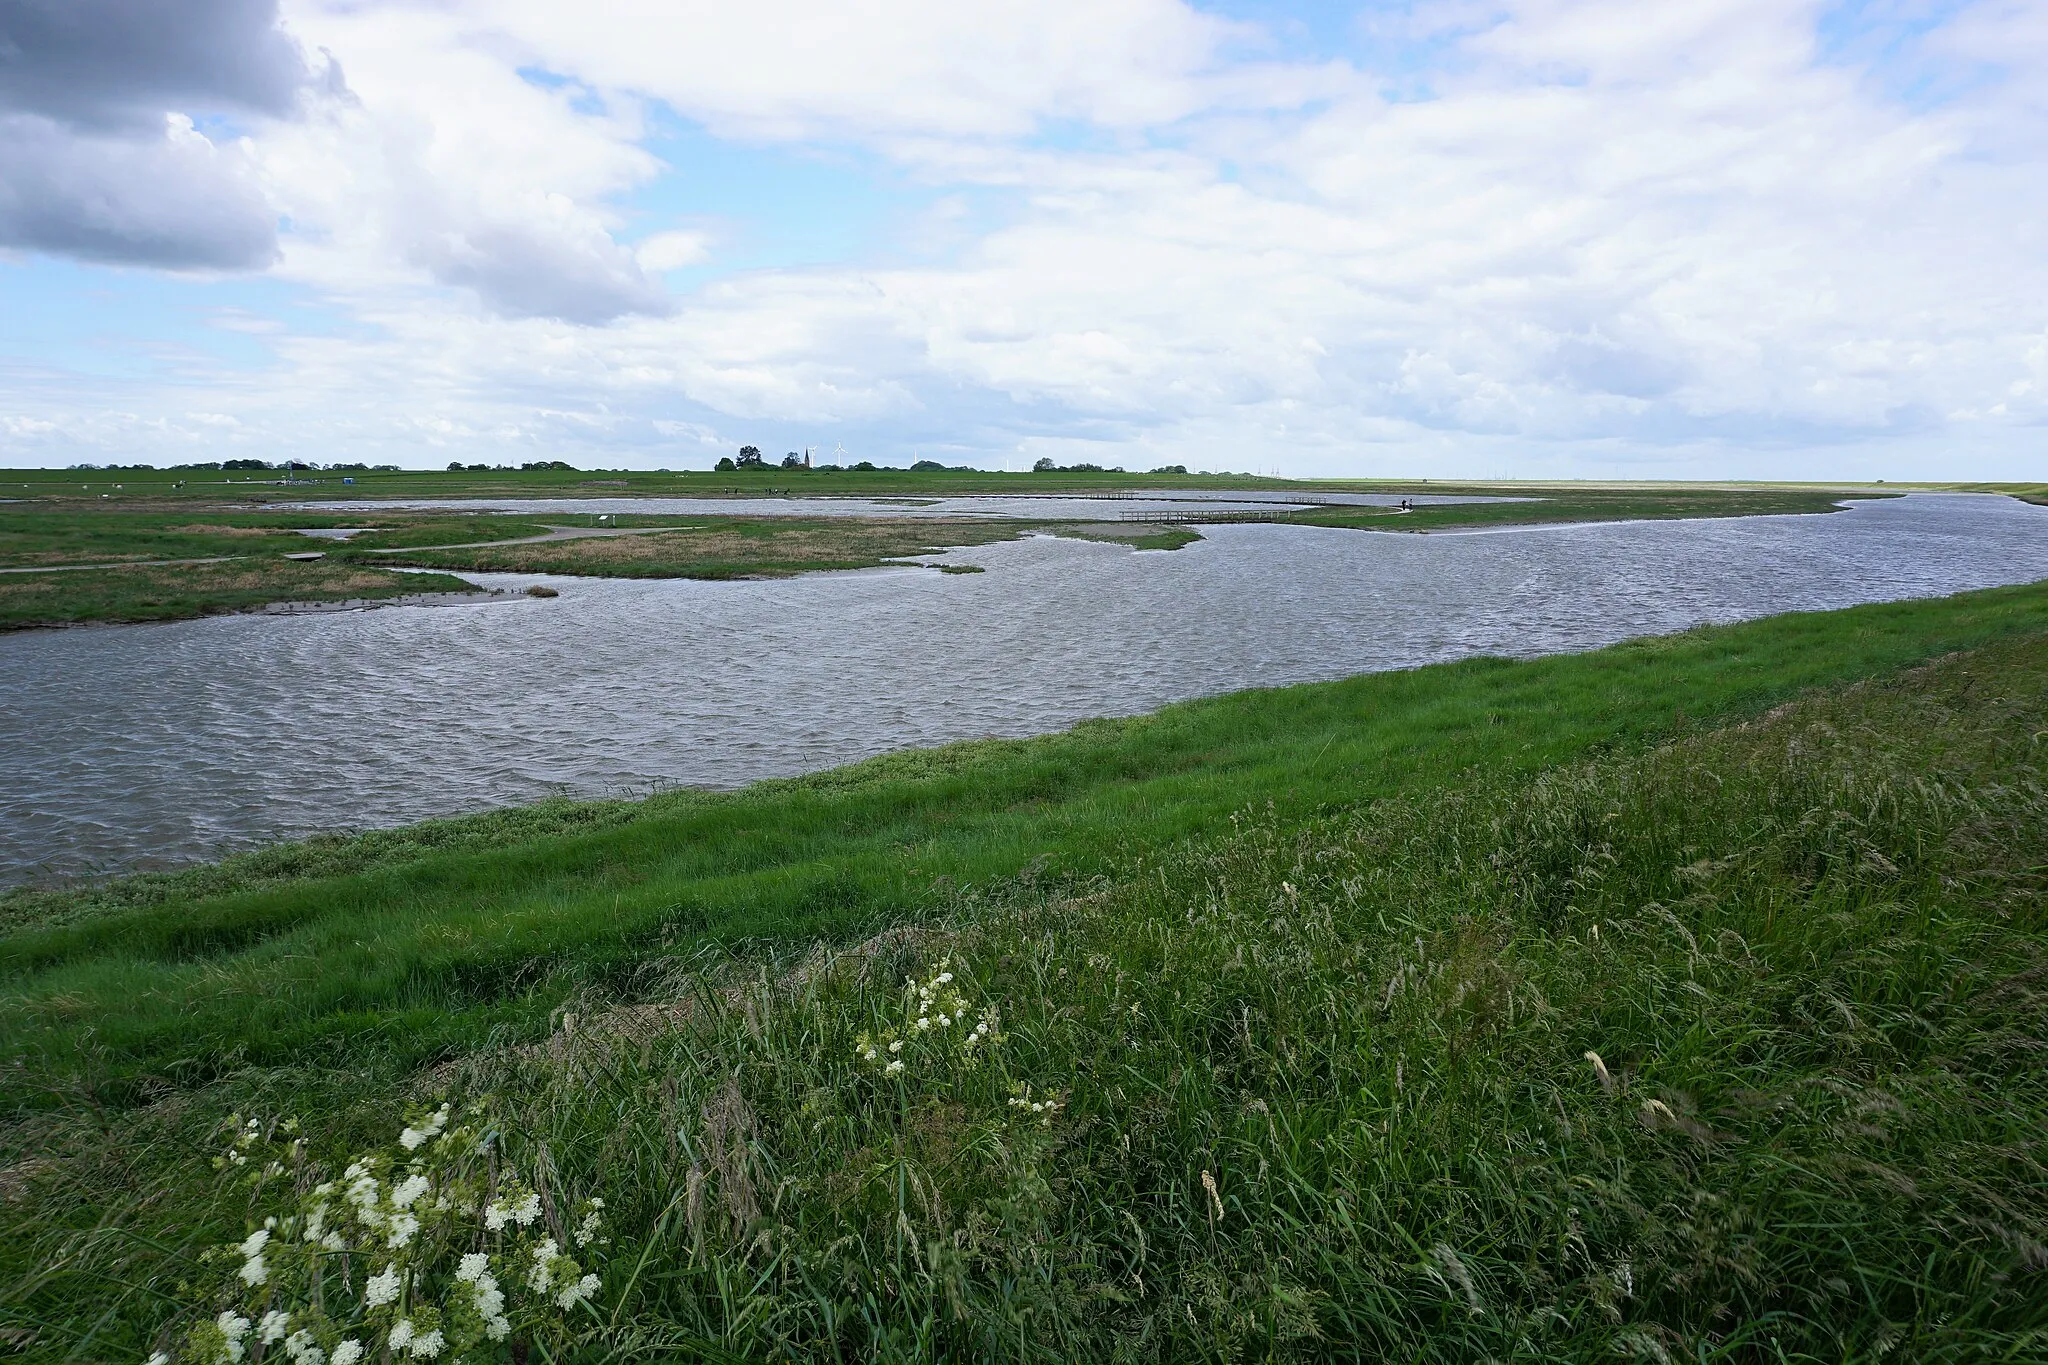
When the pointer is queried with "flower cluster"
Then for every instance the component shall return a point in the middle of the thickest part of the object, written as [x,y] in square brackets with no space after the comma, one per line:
[1044,1109]
[936,1016]
[454,1258]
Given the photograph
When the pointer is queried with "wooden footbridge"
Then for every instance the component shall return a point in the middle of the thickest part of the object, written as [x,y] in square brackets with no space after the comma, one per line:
[1190,516]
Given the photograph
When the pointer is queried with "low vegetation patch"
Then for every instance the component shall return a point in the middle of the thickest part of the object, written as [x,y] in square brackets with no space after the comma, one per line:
[173,592]
[727,547]
[1541,504]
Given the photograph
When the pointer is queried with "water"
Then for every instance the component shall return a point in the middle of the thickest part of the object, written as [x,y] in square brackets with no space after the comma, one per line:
[133,746]
[1007,505]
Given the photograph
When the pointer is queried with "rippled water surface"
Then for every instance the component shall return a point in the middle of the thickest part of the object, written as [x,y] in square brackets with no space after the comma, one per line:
[1008,505]
[142,745]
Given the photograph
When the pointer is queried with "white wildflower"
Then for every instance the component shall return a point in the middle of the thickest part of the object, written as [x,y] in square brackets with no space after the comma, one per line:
[414,1138]
[381,1289]
[896,1046]
[945,977]
[490,1300]
[427,1345]
[892,1068]
[254,1272]
[498,1328]
[233,1326]
[347,1353]
[586,1231]
[576,1293]
[923,1023]
[157,1358]
[255,1242]
[407,1191]
[473,1265]
[273,1326]
[403,1226]
[543,1266]
[526,1210]
[301,1348]
[401,1335]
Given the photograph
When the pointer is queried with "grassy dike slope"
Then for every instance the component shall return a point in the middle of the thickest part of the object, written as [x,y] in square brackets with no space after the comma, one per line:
[1311,973]
[418,957]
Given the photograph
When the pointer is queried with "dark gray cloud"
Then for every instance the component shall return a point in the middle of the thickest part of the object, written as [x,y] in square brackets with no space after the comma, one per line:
[173,201]
[108,64]
[90,164]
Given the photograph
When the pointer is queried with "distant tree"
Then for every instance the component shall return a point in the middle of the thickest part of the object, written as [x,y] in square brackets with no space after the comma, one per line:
[1171,469]
[244,464]
[927,464]
[866,467]
[792,461]
[1045,465]
[750,458]
[724,465]
[455,466]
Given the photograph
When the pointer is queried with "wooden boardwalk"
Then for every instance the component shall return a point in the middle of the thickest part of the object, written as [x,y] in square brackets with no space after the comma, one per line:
[1177,517]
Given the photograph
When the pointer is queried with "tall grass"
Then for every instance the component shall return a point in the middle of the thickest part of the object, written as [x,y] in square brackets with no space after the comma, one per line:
[1728,1049]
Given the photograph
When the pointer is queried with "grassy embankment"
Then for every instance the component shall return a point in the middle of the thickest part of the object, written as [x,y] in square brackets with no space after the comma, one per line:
[2036,493]
[1339,949]
[251,570]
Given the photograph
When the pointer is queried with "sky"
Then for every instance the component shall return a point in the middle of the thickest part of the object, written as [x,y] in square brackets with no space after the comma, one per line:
[1448,238]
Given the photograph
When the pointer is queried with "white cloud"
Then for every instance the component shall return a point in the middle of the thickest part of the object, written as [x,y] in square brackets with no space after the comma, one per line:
[1614,235]
[672,250]
[863,68]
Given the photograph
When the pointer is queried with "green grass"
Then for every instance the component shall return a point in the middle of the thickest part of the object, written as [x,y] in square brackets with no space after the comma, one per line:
[724,547]
[764,547]
[1565,503]
[416,959]
[179,592]
[1335,953]
[133,532]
